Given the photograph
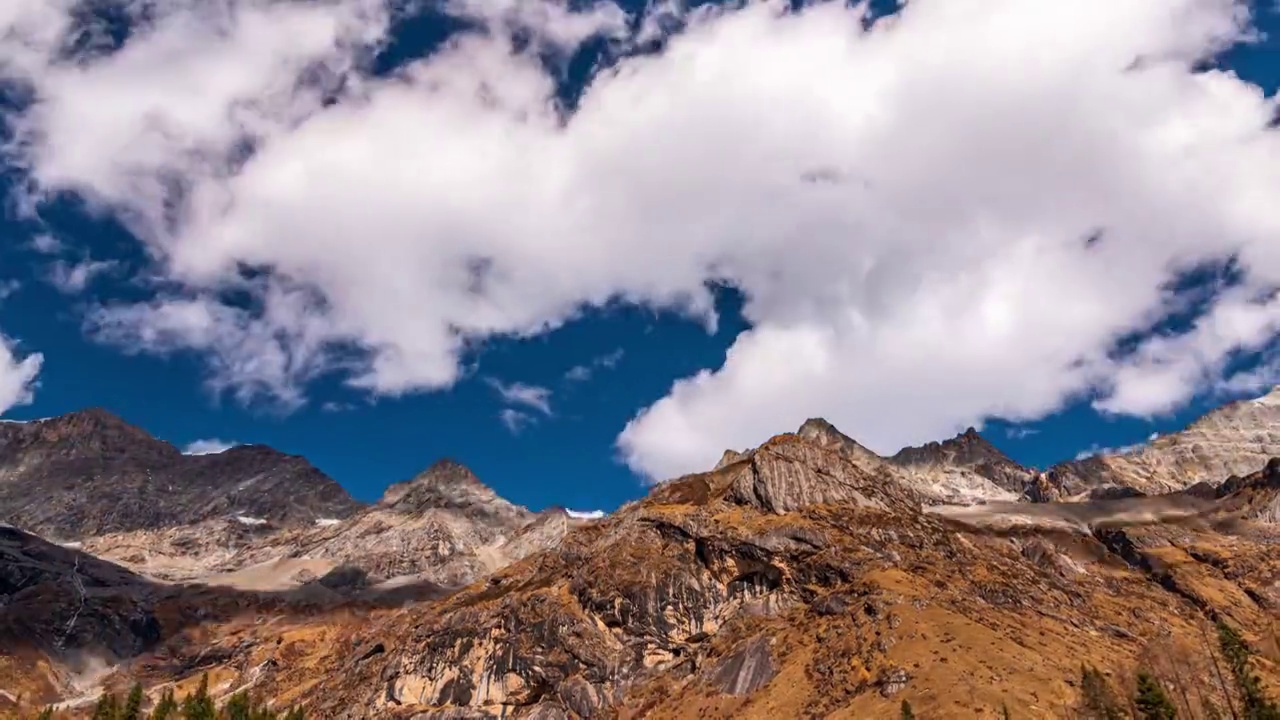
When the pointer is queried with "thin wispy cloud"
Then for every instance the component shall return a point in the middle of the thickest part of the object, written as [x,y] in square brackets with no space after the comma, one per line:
[534,397]
[516,420]
[1095,450]
[584,372]
[73,278]
[46,244]
[208,446]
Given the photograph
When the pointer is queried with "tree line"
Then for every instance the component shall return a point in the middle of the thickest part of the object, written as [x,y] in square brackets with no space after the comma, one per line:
[1223,686]
[198,705]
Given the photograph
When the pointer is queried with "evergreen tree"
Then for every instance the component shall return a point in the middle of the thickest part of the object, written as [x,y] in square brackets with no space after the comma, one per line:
[1097,701]
[907,713]
[108,707]
[239,708]
[1254,703]
[46,714]
[1151,701]
[198,705]
[133,705]
[1004,712]
[166,708]
[294,714]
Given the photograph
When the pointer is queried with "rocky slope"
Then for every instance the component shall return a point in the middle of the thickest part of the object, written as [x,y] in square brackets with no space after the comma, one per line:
[89,473]
[791,582]
[965,469]
[1235,439]
[807,577]
[443,527]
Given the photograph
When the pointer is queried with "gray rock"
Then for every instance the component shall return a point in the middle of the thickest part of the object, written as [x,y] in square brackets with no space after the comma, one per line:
[746,669]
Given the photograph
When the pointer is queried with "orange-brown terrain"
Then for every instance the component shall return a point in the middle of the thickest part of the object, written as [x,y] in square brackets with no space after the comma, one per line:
[804,578]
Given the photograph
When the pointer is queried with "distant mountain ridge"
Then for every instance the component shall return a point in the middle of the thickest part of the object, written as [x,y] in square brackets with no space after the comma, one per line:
[1235,439]
[90,472]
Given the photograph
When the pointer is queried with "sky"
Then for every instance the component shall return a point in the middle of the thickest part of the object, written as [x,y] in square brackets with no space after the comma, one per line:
[582,248]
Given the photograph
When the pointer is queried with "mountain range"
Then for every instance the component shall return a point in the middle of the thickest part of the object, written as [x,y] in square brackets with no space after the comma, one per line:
[807,577]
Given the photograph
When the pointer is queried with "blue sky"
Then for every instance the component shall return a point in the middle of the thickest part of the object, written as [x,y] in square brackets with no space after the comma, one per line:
[630,341]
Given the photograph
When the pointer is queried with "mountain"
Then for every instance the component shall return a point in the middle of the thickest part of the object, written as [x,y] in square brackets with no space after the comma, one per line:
[1235,439]
[968,450]
[806,577]
[965,469]
[90,472]
[792,582]
[443,526]
[968,466]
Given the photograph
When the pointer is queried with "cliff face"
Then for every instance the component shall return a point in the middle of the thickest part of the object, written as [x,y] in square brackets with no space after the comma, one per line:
[89,473]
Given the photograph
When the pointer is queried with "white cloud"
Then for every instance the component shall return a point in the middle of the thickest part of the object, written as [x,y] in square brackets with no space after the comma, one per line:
[208,446]
[582,373]
[17,375]
[585,514]
[515,420]
[1097,449]
[906,217]
[72,279]
[518,393]
[8,287]
[1018,433]
[46,244]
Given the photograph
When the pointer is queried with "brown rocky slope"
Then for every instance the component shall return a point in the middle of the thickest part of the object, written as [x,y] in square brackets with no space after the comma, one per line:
[804,578]
[794,583]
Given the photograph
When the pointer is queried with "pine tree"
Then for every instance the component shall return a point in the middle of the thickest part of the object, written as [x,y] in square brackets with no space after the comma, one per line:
[907,713]
[108,707]
[238,708]
[1254,703]
[46,714]
[133,705]
[1151,701]
[199,706]
[166,708]
[1097,701]
[1004,712]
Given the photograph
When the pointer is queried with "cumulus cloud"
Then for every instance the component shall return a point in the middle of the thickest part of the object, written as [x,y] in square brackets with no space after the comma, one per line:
[923,237]
[208,446]
[585,514]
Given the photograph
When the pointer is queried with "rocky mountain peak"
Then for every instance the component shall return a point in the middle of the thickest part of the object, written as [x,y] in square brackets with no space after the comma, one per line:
[446,485]
[93,433]
[969,451]
[91,472]
[818,430]
[967,448]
